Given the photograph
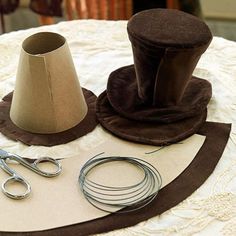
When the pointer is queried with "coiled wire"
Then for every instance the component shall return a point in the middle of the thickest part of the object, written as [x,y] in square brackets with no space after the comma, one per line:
[123,198]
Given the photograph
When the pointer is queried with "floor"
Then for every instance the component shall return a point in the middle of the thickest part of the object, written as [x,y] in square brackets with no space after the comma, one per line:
[24,18]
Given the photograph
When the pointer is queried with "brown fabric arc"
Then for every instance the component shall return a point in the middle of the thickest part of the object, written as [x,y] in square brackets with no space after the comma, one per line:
[184,185]
[10,130]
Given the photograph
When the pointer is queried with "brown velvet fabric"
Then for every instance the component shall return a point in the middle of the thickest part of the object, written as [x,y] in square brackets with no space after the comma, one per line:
[13,132]
[169,28]
[158,101]
[123,97]
[184,185]
[147,132]
[167,45]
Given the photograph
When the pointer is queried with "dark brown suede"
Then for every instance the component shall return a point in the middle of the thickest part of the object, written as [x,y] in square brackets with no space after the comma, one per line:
[169,28]
[167,45]
[127,103]
[154,133]
[9,129]
[157,100]
[184,185]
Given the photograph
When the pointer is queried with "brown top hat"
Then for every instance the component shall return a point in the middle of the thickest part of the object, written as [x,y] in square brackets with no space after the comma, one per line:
[48,106]
[157,100]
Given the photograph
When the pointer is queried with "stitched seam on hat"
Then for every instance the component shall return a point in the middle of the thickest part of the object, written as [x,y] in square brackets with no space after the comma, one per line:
[156,80]
[50,91]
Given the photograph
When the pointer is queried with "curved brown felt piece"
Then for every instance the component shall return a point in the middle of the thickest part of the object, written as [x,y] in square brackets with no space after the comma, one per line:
[9,129]
[122,93]
[153,133]
[184,185]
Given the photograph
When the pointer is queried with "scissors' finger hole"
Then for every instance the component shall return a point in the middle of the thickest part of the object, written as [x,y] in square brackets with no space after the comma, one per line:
[48,166]
[16,188]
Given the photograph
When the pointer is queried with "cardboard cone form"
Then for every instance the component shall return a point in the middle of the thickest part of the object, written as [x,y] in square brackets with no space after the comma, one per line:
[47,96]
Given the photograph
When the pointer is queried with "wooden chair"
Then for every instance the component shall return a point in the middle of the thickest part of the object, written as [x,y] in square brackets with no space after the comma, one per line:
[93,9]
[101,9]
[172,4]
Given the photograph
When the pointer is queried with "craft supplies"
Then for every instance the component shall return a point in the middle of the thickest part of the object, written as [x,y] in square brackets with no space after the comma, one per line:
[114,198]
[157,100]
[15,177]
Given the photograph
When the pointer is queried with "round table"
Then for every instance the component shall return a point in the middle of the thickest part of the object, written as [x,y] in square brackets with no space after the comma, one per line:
[98,48]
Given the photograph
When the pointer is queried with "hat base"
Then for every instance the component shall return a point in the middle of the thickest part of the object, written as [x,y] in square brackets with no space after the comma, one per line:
[10,130]
[122,92]
[154,133]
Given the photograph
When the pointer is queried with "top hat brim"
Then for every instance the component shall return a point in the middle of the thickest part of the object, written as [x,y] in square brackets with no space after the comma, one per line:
[10,130]
[122,92]
[154,133]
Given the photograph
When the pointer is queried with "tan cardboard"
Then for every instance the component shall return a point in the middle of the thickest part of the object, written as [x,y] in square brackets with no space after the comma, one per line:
[47,96]
[58,201]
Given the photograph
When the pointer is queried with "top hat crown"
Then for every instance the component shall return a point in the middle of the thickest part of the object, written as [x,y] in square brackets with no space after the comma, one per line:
[167,45]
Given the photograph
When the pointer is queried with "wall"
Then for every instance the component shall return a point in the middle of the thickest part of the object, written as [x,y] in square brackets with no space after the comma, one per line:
[220,9]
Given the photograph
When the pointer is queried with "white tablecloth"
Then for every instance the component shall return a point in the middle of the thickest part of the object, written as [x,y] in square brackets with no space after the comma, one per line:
[98,48]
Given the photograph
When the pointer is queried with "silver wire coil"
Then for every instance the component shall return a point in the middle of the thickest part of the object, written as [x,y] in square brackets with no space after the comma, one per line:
[123,198]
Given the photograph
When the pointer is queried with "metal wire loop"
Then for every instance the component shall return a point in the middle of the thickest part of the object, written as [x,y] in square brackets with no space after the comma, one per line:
[120,199]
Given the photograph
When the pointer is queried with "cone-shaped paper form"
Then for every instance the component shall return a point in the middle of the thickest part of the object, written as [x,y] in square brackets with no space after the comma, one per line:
[47,96]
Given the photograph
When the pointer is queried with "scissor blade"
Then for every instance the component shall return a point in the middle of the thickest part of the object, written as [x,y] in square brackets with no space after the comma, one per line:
[6,168]
[3,153]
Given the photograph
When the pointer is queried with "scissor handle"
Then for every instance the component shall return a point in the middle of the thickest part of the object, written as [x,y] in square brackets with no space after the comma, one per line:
[45,173]
[22,181]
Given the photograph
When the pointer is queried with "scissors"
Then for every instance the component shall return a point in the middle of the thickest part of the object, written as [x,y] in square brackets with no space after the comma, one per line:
[4,156]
